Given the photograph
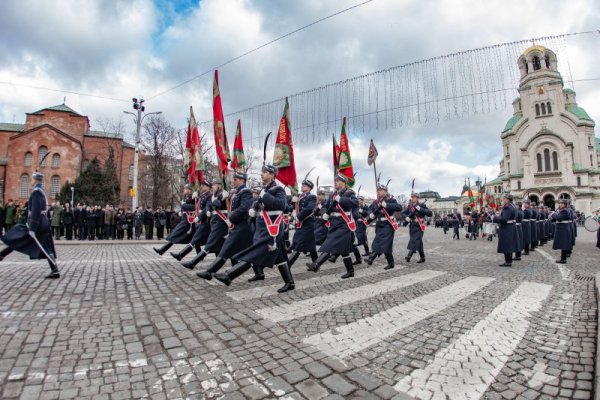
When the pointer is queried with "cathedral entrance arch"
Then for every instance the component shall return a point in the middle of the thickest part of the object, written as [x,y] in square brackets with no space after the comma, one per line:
[534,199]
[549,201]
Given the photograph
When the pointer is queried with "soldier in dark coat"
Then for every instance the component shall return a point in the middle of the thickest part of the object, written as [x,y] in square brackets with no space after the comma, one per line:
[563,235]
[362,221]
[340,236]
[382,210]
[414,214]
[456,222]
[321,227]
[240,232]
[519,230]
[304,235]
[268,248]
[526,226]
[533,226]
[541,227]
[507,230]
[35,237]
[183,232]
[201,222]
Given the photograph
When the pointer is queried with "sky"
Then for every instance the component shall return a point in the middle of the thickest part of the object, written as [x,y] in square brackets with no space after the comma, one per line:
[137,48]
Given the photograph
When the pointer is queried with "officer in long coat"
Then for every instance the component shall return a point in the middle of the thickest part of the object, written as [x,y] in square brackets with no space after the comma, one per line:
[219,224]
[541,226]
[304,235]
[268,247]
[533,226]
[456,222]
[507,230]
[22,237]
[338,209]
[563,240]
[362,221]
[184,230]
[240,232]
[526,226]
[385,227]
[519,230]
[414,214]
[321,228]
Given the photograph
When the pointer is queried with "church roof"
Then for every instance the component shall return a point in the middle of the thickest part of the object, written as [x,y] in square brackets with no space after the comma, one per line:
[496,181]
[541,49]
[60,107]
[579,112]
[102,134]
[512,122]
[12,127]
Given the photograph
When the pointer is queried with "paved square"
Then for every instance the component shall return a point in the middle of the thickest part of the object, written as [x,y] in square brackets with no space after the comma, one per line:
[123,323]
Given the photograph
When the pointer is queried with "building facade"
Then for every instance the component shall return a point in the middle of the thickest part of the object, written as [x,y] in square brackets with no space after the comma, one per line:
[58,142]
[549,147]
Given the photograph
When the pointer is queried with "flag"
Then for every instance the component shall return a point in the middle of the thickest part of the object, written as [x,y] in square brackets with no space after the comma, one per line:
[471,198]
[239,159]
[283,156]
[193,161]
[336,154]
[480,197]
[372,153]
[344,159]
[221,145]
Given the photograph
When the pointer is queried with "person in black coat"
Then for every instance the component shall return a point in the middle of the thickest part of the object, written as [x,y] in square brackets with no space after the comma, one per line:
[533,225]
[148,219]
[456,223]
[90,222]
[414,214]
[304,235]
[519,230]
[168,214]
[35,237]
[507,230]
[321,226]
[240,233]
[526,226]
[79,215]
[362,222]
[563,240]
[68,220]
[338,209]
[160,221]
[382,210]
[128,226]
[268,248]
[184,230]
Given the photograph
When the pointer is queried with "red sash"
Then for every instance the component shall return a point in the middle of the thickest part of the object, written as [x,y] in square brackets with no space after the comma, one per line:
[224,218]
[421,223]
[389,219]
[272,226]
[191,216]
[349,220]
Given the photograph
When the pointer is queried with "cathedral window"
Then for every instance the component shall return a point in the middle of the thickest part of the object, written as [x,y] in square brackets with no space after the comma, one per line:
[543,109]
[55,160]
[42,152]
[55,186]
[554,161]
[537,110]
[508,167]
[536,63]
[28,159]
[591,160]
[518,185]
[546,160]
[547,60]
[539,162]
[578,181]
[526,66]
[24,189]
[549,108]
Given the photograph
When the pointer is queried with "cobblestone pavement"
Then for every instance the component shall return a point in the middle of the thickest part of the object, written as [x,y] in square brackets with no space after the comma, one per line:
[123,323]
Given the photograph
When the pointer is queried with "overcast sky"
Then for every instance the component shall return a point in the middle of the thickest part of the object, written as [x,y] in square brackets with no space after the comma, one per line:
[124,49]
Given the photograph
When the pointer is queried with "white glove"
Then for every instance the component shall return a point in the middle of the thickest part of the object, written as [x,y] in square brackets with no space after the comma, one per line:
[337,198]
[252,212]
[208,214]
[407,219]
[383,204]
[182,202]
[196,219]
[262,193]
[295,199]
[225,194]
[371,216]
[294,214]
[32,234]
[326,217]
[319,206]
[195,195]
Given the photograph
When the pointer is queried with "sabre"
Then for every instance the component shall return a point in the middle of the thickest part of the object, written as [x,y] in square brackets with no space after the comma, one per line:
[37,242]
[265,148]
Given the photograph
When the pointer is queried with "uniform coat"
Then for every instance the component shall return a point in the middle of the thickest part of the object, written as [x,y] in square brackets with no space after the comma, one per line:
[340,237]
[415,242]
[533,226]
[507,230]
[519,228]
[179,234]
[218,227]
[384,232]
[202,227]
[320,226]
[361,216]
[304,237]
[240,237]
[563,233]
[526,227]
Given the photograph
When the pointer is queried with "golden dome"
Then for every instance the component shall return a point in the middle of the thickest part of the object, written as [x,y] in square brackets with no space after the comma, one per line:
[541,49]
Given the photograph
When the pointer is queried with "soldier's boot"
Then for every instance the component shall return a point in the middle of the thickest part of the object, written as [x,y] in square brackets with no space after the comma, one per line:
[293,257]
[184,252]
[333,258]
[526,250]
[390,261]
[228,276]
[517,256]
[161,250]
[507,260]
[197,258]
[6,251]
[367,251]
[214,268]
[357,255]
[372,258]
[314,255]
[421,257]
[54,274]
[259,275]
[349,267]
[563,257]
[409,256]
[569,253]
[286,274]
[315,265]
[288,246]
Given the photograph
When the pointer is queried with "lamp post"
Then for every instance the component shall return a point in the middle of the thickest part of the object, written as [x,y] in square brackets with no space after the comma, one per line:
[138,118]
[72,196]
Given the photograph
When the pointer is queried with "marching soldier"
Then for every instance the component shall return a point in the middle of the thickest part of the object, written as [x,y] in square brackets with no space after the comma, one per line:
[340,236]
[35,237]
[321,227]
[519,230]
[563,240]
[183,231]
[304,235]
[526,226]
[414,214]
[240,232]
[382,210]
[507,235]
[533,225]
[268,246]
[362,221]
[456,222]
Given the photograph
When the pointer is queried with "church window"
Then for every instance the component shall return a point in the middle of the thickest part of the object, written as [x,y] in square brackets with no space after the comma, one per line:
[55,160]
[591,160]
[554,161]
[28,159]
[549,108]
[536,63]
[508,167]
[507,150]
[546,160]
[55,186]
[537,109]
[131,172]
[518,185]
[578,181]
[539,162]
[24,189]
[42,152]
[526,66]
[543,109]
[547,61]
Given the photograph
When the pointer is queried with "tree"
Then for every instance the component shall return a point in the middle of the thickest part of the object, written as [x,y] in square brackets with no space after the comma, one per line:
[111,180]
[95,185]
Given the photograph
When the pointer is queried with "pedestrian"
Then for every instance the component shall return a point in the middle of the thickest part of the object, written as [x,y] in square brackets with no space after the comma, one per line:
[456,224]
[10,214]
[80,216]
[109,222]
[56,219]
[138,222]
[148,219]
[68,220]
[120,221]
[128,225]
[90,222]
[160,221]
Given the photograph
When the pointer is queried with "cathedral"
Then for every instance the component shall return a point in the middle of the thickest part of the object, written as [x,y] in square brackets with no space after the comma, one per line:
[550,151]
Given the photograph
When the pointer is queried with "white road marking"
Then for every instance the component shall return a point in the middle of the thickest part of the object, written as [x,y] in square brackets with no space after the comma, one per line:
[318,304]
[349,339]
[466,368]
[564,271]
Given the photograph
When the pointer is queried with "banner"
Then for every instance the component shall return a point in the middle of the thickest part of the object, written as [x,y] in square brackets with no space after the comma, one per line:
[221,145]
[283,157]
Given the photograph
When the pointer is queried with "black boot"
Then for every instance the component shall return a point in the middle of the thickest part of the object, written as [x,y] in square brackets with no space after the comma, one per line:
[563,257]
[286,274]
[507,260]
[164,248]
[357,255]
[293,257]
[6,251]
[390,261]
[517,256]
[197,258]
[54,274]
[333,258]
[422,257]
[315,265]
[526,250]
[367,251]
[235,271]
[372,258]
[313,256]
[409,256]
[214,267]
[349,267]
[258,274]
[184,252]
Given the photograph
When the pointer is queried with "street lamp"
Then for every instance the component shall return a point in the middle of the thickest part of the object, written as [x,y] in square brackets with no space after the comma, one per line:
[138,118]
[72,196]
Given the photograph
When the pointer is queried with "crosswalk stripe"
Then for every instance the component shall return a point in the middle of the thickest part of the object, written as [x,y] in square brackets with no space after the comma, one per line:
[268,290]
[465,369]
[349,339]
[318,304]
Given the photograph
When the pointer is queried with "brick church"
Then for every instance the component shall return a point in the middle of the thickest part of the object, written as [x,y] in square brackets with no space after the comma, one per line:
[64,138]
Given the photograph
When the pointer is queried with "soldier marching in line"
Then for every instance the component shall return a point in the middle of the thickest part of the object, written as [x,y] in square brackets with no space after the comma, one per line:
[573,225]
[563,236]
[382,210]
[414,214]
[340,236]
[268,247]
[526,226]
[304,235]
[456,222]
[507,236]
[519,230]
[362,222]
[183,232]
[533,225]
[321,225]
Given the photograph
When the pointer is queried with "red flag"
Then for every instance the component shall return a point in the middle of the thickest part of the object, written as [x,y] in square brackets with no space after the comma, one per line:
[283,157]
[336,154]
[239,159]
[471,198]
[344,159]
[193,162]
[221,145]
[480,198]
